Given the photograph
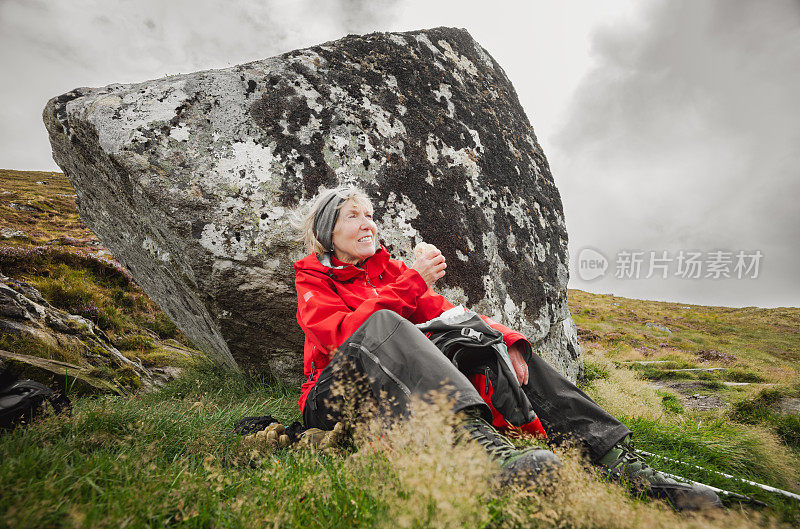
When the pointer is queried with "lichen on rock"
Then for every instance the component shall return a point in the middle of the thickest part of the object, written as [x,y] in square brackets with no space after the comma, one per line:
[189,181]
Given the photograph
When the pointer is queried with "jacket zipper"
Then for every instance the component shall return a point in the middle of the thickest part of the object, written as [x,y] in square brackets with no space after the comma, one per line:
[367,282]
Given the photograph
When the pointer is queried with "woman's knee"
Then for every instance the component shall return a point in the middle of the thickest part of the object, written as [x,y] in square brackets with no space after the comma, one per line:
[385,315]
[386,320]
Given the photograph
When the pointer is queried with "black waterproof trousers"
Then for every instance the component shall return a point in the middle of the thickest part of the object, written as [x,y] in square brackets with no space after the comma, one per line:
[394,360]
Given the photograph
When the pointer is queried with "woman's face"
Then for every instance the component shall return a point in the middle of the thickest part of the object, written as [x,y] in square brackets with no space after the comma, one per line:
[354,233]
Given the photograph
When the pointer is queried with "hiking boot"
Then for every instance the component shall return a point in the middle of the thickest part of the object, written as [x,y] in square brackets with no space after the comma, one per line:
[622,463]
[530,464]
[316,439]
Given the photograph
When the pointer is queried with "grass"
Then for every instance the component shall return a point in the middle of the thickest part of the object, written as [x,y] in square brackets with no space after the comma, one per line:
[759,348]
[762,410]
[765,342]
[41,205]
[172,459]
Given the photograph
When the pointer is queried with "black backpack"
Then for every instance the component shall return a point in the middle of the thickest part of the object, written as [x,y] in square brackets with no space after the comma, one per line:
[22,400]
[478,351]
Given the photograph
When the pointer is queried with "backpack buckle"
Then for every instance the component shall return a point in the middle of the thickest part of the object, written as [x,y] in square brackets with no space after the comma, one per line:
[471,333]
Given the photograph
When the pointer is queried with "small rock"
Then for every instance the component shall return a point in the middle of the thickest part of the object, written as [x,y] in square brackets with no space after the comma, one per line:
[789,405]
[657,326]
[8,233]
[21,207]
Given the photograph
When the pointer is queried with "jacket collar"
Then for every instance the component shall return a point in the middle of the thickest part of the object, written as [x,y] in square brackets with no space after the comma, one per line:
[332,267]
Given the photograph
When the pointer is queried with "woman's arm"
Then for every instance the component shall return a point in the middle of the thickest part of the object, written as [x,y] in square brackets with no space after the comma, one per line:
[328,321]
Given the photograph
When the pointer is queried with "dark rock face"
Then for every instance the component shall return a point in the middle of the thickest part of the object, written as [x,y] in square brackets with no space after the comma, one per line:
[189,180]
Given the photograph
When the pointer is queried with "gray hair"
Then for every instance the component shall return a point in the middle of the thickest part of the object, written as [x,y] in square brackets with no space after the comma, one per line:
[326,200]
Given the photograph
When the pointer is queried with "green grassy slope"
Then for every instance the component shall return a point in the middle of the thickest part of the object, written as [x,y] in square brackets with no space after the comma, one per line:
[43,242]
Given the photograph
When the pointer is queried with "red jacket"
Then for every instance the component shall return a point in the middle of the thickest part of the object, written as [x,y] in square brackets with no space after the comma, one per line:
[334,299]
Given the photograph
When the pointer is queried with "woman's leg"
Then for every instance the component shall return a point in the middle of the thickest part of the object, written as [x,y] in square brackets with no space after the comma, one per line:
[388,360]
[567,412]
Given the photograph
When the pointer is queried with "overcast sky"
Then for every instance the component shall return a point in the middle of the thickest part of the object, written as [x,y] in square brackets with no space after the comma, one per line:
[669,125]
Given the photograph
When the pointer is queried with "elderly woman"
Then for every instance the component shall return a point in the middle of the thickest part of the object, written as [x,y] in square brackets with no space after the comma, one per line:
[358,308]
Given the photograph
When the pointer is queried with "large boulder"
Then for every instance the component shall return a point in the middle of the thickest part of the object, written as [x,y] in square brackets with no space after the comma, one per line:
[189,180]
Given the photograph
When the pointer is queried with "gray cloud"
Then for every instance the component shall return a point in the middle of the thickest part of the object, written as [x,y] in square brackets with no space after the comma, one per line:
[685,135]
[47,48]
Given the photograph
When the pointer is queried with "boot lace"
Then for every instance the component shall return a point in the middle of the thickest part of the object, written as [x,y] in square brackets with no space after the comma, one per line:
[497,446]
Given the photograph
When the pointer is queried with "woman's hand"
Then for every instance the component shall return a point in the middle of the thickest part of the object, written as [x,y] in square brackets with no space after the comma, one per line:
[520,367]
[430,266]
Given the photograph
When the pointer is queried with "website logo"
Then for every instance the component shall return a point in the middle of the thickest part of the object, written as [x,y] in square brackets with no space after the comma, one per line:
[591,264]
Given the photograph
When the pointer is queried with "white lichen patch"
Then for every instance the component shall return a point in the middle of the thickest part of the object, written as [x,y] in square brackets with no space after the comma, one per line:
[454,295]
[395,225]
[345,150]
[459,60]
[482,196]
[271,214]
[461,256]
[180,133]
[150,246]
[309,94]
[397,39]
[247,165]
[386,127]
[484,57]
[431,150]
[511,242]
[444,92]
[510,309]
[117,116]
[538,210]
[308,130]
[540,252]
[455,75]
[403,211]
[423,39]
[461,157]
[476,138]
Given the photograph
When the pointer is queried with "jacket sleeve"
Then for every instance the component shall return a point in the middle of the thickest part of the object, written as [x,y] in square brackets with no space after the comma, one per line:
[509,336]
[328,321]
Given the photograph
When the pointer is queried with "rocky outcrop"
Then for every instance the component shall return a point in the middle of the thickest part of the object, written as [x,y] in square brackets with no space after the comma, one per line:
[28,321]
[189,181]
